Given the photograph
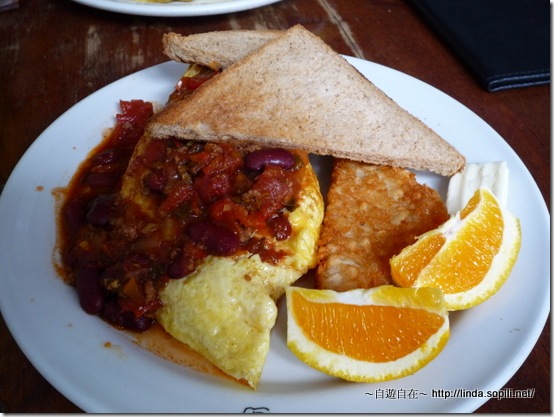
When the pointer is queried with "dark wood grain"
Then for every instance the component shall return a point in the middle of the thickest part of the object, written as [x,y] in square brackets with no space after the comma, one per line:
[53,53]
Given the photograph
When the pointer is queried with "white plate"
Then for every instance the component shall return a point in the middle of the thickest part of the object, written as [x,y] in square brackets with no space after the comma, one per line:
[193,8]
[70,348]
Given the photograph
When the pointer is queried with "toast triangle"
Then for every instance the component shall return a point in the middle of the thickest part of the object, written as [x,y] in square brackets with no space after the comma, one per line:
[296,92]
[218,49]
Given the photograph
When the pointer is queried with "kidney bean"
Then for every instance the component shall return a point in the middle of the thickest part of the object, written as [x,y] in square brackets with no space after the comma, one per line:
[137,324]
[100,210]
[181,266]
[75,214]
[177,269]
[218,240]
[107,156]
[87,282]
[258,160]
[125,319]
[280,227]
[155,181]
[102,179]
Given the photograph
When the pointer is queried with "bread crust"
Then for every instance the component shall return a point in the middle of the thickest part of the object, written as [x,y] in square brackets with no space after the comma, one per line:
[215,50]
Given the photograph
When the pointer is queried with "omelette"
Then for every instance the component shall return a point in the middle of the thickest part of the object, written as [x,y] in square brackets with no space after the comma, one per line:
[225,307]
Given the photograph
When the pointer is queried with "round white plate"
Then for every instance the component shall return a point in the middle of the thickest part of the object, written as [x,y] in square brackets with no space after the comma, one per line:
[193,8]
[100,369]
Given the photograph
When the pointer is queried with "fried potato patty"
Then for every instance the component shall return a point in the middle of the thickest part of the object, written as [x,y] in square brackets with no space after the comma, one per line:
[372,213]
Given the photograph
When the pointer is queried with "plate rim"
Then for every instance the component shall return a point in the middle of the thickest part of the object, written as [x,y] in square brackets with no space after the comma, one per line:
[175,9]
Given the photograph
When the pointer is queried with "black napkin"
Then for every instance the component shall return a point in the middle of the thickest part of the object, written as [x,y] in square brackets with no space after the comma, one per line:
[504,43]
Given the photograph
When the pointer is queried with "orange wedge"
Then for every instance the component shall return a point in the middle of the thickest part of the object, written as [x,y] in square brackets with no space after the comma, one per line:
[469,257]
[367,335]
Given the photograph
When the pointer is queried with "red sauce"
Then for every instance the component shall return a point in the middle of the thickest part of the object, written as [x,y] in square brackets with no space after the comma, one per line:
[190,199]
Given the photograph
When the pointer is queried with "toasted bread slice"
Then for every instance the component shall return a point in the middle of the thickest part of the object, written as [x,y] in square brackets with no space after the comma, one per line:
[372,213]
[215,50]
[296,92]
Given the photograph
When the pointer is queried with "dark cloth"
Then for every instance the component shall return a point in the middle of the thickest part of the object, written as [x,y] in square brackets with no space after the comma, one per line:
[504,43]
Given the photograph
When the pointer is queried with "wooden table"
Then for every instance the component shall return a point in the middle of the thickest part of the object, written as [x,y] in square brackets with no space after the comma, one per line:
[53,53]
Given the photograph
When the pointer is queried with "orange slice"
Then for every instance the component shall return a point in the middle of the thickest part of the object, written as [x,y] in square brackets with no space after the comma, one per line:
[367,335]
[469,257]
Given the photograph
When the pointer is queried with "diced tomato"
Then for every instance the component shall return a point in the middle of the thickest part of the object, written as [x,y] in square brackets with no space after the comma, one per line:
[192,83]
[131,290]
[234,216]
[276,188]
[187,85]
[178,195]
[224,159]
[131,121]
[210,188]
[139,309]
[155,152]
